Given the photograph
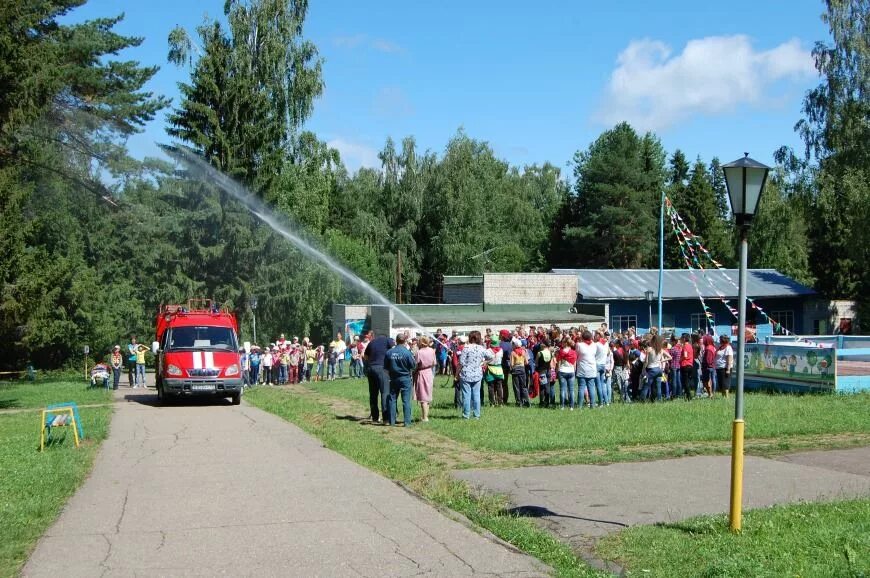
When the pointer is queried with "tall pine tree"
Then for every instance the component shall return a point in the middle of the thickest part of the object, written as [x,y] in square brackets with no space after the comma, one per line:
[614,221]
[253,83]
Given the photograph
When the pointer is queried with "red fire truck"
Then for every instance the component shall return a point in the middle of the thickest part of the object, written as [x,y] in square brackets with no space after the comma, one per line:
[197,351]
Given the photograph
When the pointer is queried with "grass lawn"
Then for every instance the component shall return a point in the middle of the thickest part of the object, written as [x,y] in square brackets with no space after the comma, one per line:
[826,539]
[34,486]
[36,395]
[774,423]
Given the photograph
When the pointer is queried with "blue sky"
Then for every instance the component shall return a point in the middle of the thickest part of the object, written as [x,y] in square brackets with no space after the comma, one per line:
[538,81]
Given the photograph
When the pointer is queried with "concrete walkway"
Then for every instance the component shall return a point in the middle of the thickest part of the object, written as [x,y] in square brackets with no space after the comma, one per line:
[208,489]
[582,503]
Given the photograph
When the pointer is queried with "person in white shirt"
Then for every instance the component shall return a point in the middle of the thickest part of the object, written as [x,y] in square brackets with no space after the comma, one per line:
[724,363]
[656,357]
[601,351]
[266,361]
[587,370]
[608,374]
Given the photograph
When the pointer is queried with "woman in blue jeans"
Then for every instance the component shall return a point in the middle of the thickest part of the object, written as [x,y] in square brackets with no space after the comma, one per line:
[656,357]
[471,361]
[566,361]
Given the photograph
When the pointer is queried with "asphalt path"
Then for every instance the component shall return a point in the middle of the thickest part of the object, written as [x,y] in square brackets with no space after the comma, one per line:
[208,489]
[581,503]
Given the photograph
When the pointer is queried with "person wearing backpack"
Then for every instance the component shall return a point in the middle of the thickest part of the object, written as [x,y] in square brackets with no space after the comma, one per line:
[518,373]
[495,374]
[544,360]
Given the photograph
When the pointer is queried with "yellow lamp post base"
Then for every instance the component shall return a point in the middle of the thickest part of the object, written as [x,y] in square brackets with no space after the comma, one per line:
[736,475]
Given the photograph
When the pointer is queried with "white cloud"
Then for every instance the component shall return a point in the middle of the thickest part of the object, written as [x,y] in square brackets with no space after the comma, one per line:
[653,89]
[355,154]
[383,45]
[392,102]
[349,41]
[357,40]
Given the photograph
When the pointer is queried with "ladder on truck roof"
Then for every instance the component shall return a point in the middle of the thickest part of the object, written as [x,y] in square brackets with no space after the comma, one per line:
[194,306]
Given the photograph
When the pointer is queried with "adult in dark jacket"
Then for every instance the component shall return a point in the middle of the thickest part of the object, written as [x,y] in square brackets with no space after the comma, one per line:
[379,381]
[400,364]
[506,350]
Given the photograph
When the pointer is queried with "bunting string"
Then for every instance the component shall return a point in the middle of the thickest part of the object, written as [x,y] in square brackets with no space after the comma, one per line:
[686,249]
[693,252]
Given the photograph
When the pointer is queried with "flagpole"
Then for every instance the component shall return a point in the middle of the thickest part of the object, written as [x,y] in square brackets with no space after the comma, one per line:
[661,254]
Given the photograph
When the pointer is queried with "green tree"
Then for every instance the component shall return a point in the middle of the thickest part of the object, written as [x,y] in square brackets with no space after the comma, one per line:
[677,190]
[66,105]
[705,213]
[613,223]
[253,84]
[52,69]
[835,128]
[717,180]
[778,238]
[251,89]
[836,133]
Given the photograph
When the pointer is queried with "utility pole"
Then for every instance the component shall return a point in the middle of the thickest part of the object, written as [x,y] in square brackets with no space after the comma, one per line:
[399,276]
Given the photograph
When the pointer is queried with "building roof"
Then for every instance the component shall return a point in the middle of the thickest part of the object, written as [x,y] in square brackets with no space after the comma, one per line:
[503,316]
[463,279]
[631,284]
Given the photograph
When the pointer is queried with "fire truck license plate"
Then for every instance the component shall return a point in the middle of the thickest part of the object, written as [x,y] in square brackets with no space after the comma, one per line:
[202,387]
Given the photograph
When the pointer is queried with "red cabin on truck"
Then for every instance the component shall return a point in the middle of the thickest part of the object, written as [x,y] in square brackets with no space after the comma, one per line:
[198,351]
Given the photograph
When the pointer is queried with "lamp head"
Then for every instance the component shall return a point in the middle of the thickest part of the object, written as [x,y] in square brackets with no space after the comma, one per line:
[745,179]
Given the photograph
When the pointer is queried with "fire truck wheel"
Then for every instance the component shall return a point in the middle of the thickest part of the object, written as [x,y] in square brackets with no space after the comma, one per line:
[237,398]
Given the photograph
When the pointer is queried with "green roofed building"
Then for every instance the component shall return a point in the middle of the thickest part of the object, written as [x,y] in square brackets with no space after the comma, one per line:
[493,300]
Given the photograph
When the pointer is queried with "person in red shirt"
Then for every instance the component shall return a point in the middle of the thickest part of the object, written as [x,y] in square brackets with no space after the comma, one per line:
[688,378]
[708,359]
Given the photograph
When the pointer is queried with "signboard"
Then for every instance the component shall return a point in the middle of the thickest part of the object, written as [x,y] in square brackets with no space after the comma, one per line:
[808,366]
[353,327]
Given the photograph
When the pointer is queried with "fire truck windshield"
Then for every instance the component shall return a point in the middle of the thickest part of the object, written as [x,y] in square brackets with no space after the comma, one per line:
[201,337]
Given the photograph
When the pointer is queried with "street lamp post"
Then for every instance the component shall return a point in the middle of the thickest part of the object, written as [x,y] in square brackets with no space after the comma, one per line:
[253,304]
[745,179]
[649,299]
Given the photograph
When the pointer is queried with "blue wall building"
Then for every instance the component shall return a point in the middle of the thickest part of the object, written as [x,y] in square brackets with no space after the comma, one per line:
[625,291]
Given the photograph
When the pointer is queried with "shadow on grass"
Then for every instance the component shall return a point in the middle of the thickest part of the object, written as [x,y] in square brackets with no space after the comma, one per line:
[9,403]
[443,405]
[54,439]
[352,418]
[709,526]
[542,512]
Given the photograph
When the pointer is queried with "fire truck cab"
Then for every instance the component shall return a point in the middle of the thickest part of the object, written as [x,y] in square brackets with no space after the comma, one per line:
[197,351]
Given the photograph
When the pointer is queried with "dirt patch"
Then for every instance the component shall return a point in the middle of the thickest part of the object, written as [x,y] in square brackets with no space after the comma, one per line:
[441,449]
[39,409]
[455,455]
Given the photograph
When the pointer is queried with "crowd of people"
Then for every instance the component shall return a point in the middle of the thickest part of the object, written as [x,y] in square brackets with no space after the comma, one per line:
[289,361]
[133,359]
[563,369]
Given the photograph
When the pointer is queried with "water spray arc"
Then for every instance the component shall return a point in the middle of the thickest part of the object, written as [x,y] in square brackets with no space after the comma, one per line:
[207,172]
